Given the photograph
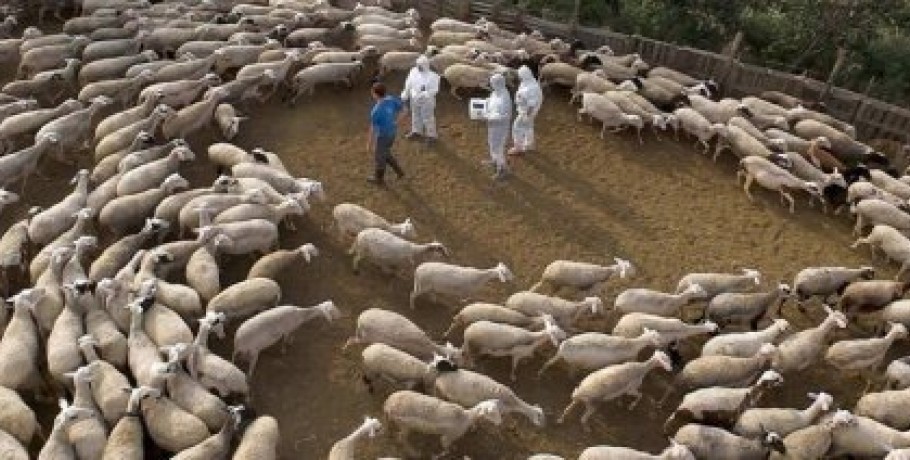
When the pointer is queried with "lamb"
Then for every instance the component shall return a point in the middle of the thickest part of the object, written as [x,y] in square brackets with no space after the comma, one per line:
[390,252]
[814,441]
[383,326]
[609,114]
[657,303]
[439,278]
[88,436]
[468,389]
[109,387]
[708,441]
[740,142]
[805,348]
[715,284]
[871,212]
[870,296]
[279,323]
[409,411]
[738,308]
[345,449]
[753,422]
[892,243]
[566,313]
[17,420]
[143,353]
[492,339]
[859,355]
[271,265]
[58,445]
[613,382]
[350,219]
[586,278]
[202,271]
[306,80]
[671,330]
[125,213]
[721,405]
[259,441]
[694,123]
[775,178]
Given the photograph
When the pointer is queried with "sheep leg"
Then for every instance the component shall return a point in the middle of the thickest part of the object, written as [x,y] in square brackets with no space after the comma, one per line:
[636,397]
[858,228]
[454,91]
[747,185]
[603,131]
[253,358]
[790,200]
[590,409]
[550,363]
[568,410]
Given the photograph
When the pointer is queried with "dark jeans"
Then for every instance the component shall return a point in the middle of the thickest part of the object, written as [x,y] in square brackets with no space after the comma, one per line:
[383,156]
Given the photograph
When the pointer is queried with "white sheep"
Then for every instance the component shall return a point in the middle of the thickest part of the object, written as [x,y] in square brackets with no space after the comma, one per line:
[671,330]
[277,324]
[346,448]
[382,326]
[827,281]
[657,303]
[389,251]
[246,298]
[169,426]
[590,351]
[581,276]
[211,370]
[479,311]
[871,212]
[719,283]
[53,221]
[747,308]
[565,312]
[891,242]
[493,339]
[602,109]
[675,451]
[272,265]
[127,212]
[305,81]
[409,411]
[745,344]
[228,120]
[897,374]
[755,421]
[468,389]
[246,237]
[857,356]
[397,368]
[16,418]
[259,441]
[439,278]
[58,445]
[193,117]
[614,382]
[712,442]
[350,219]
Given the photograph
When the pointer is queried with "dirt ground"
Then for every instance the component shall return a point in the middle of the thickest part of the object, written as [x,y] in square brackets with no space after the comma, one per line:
[661,205]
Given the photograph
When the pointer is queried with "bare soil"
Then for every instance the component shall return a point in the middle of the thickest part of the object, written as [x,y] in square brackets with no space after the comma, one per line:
[662,205]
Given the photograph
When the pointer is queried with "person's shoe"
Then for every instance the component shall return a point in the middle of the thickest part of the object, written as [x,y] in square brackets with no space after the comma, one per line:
[431,141]
[411,135]
[514,152]
[400,175]
[376,181]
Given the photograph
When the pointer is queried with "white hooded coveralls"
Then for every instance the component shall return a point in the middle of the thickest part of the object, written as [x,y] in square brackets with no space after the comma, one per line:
[499,118]
[528,100]
[420,90]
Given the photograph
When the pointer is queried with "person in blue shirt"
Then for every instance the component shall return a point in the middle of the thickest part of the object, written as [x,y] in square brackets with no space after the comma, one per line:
[384,118]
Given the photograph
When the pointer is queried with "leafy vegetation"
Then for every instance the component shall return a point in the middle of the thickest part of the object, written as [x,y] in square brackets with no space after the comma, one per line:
[800,36]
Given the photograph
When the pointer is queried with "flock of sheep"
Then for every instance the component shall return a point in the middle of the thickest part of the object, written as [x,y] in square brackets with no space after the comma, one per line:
[110,336]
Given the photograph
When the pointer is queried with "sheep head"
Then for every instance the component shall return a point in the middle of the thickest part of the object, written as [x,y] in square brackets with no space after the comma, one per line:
[328,310]
[490,409]
[505,275]
[824,400]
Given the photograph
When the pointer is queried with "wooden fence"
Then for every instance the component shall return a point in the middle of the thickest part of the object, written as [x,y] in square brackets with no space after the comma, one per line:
[872,118]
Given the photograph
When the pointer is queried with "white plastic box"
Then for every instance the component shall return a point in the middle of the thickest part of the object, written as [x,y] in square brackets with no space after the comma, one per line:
[477,109]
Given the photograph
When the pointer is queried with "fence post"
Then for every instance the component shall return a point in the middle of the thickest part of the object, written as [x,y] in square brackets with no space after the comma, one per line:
[731,50]
[838,63]
[573,21]
[862,102]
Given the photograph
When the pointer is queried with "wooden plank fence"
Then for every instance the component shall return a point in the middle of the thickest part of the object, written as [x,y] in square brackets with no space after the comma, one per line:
[872,118]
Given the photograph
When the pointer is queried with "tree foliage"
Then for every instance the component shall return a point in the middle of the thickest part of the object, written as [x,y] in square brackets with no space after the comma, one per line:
[800,36]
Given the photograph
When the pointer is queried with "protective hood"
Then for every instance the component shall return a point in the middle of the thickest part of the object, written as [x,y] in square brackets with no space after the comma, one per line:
[525,74]
[498,83]
[423,63]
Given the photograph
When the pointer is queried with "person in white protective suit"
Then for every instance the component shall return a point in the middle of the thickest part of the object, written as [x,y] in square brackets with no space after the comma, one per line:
[499,120]
[420,90]
[528,100]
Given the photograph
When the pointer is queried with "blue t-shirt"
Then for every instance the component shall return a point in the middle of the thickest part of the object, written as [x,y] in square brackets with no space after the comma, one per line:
[384,116]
